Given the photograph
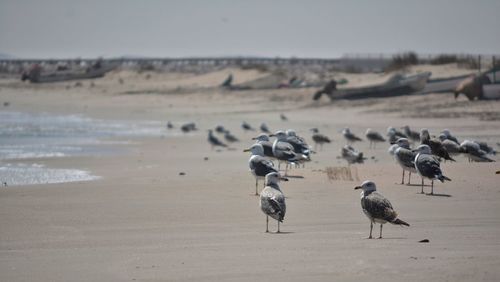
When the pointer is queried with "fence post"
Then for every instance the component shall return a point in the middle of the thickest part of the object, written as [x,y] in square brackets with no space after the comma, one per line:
[494,70]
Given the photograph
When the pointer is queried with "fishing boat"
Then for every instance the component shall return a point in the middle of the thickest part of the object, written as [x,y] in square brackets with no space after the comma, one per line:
[491,92]
[36,74]
[396,85]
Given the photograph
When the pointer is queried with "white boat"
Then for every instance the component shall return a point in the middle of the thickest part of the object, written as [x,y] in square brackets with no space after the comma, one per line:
[491,91]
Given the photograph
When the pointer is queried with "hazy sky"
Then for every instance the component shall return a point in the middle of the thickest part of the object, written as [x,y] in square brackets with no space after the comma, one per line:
[304,28]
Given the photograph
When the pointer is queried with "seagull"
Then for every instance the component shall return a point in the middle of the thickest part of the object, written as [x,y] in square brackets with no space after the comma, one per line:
[428,166]
[447,134]
[319,138]
[264,128]
[405,158]
[283,117]
[284,151]
[247,127]
[263,140]
[451,146]
[349,136]
[188,127]
[486,148]
[373,137]
[474,152]
[412,135]
[272,200]
[220,129]
[214,141]
[229,137]
[435,145]
[259,165]
[394,134]
[299,144]
[377,208]
[351,155]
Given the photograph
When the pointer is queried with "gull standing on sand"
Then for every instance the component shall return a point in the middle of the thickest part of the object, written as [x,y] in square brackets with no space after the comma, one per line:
[434,144]
[247,127]
[405,158]
[230,137]
[319,138]
[394,134]
[474,152]
[214,141]
[258,164]
[283,117]
[190,126]
[264,128]
[376,207]
[374,137]
[284,151]
[349,136]
[220,129]
[451,146]
[272,200]
[351,155]
[447,134]
[428,166]
[299,144]
[412,135]
[263,140]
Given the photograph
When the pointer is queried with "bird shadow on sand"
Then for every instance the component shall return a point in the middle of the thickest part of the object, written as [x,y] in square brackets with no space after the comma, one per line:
[281,232]
[294,176]
[387,238]
[412,185]
[438,195]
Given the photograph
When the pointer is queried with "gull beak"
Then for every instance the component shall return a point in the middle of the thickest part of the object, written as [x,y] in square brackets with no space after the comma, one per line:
[283,179]
[255,138]
[246,150]
[272,135]
[357,187]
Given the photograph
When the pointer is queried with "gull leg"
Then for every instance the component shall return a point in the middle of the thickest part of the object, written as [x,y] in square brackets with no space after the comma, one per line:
[421,192]
[278,226]
[403,178]
[432,187]
[371,228]
[256,185]
[381,225]
[267,224]
[409,177]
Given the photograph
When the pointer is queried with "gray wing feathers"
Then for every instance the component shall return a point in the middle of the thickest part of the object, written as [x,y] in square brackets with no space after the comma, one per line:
[272,203]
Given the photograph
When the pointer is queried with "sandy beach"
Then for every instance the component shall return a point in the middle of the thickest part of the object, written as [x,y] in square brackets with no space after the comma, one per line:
[144,221]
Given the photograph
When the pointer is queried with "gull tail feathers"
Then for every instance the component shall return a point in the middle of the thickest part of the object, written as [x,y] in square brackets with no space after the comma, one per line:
[442,178]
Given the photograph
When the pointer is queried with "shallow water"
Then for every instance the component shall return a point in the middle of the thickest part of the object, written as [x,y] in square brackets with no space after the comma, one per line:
[29,137]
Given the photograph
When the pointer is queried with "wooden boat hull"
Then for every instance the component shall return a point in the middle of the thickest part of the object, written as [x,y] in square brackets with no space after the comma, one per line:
[396,86]
[68,75]
[491,92]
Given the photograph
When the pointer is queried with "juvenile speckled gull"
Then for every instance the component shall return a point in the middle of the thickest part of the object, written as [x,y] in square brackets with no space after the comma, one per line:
[377,208]
[272,200]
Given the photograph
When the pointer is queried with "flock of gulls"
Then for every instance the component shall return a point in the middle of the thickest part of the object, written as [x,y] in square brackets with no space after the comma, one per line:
[291,150]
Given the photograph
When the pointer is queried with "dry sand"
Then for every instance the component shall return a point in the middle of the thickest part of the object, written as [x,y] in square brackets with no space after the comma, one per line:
[144,222]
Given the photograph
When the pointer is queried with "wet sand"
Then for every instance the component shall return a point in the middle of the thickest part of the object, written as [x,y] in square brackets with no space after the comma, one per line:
[142,221]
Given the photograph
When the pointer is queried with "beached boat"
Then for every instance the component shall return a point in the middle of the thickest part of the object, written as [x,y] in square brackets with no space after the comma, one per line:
[491,91]
[394,86]
[37,75]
